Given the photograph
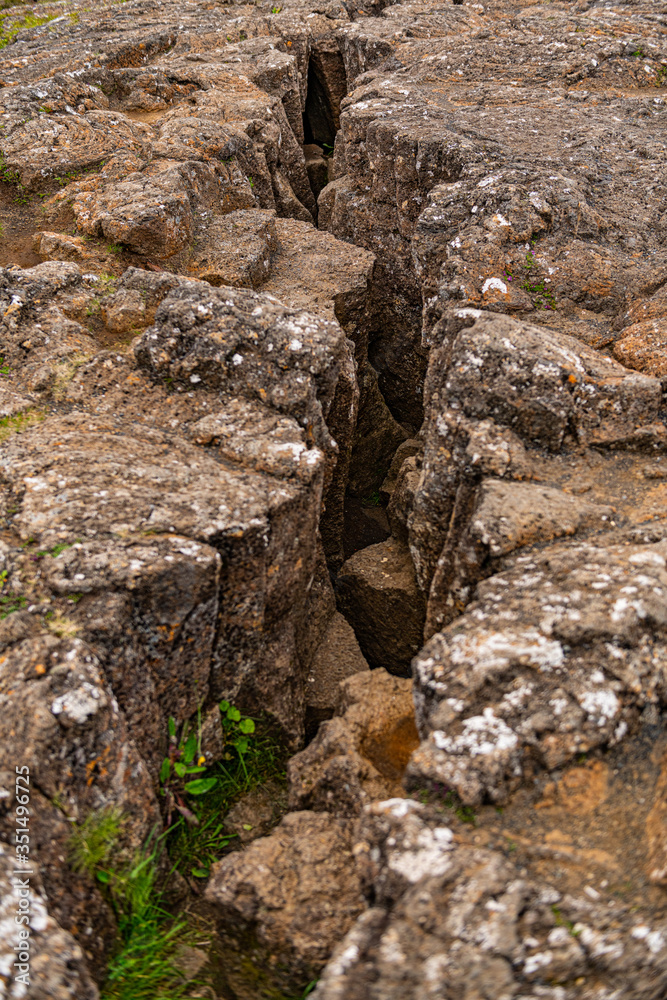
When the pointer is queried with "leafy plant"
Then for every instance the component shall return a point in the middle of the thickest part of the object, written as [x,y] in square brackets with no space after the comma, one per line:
[9,601]
[4,367]
[237,730]
[175,771]
[184,758]
[250,759]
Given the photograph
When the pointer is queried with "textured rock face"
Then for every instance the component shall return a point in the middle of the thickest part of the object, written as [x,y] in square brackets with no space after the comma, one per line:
[507,400]
[296,890]
[60,719]
[245,494]
[57,966]
[378,592]
[361,753]
[244,457]
[567,665]
[478,926]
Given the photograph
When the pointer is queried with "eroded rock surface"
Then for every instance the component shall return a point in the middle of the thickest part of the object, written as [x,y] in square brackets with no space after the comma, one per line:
[440,415]
[479,926]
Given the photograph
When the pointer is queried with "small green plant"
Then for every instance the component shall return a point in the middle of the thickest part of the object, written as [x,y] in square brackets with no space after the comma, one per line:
[4,367]
[448,799]
[328,149]
[61,547]
[465,813]
[184,759]
[251,181]
[251,757]
[54,551]
[22,197]
[9,601]
[372,500]
[177,766]
[276,10]
[541,295]
[114,248]
[180,762]
[92,844]
[562,922]
[7,174]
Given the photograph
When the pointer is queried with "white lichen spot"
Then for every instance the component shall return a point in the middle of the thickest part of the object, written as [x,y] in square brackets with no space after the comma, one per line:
[428,857]
[600,705]
[79,704]
[494,284]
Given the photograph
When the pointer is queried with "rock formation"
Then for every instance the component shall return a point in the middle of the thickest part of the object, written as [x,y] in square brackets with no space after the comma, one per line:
[334,337]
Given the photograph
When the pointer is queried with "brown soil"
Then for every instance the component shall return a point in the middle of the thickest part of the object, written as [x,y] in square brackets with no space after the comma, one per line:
[390,751]
[146,116]
[20,219]
[583,827]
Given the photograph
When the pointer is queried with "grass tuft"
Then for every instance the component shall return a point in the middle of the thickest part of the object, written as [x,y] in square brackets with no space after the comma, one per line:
[19,422]
[143,966]
[92,844]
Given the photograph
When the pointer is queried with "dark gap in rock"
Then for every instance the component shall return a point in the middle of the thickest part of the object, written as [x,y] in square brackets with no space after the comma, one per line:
[327,86]
[319,119]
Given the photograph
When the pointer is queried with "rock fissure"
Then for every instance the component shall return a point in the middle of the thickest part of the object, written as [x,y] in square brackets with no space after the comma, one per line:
[332,357]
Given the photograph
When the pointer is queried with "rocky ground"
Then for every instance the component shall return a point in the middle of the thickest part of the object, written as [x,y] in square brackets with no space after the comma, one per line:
[333,337]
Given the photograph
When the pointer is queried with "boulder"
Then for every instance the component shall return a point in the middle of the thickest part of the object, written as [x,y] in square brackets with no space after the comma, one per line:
[295,891]
[378,594]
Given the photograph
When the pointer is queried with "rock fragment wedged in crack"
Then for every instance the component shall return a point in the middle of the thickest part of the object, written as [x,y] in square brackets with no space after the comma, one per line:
[333,485]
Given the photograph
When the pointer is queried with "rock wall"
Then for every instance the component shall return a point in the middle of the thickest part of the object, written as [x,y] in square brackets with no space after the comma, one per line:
[326,333]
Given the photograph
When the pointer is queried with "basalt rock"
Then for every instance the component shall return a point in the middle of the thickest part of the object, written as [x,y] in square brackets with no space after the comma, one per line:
[361,753]
[479,926]
[511,406]
[208,406]
[295,891]
[61,720]
[378,593]
[567,663]
[56,964]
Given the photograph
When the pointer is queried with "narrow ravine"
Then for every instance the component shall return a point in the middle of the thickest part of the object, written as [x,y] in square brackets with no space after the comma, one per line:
[332,499]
